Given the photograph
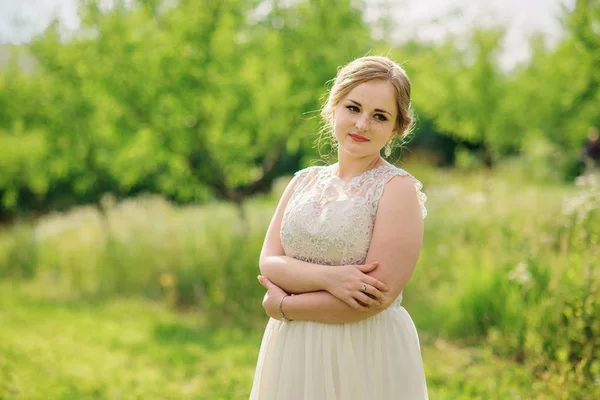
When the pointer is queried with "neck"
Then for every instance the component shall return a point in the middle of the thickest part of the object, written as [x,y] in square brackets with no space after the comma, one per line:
[349,167]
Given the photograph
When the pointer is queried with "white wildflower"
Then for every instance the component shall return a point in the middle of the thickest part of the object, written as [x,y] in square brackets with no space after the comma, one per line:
[520,273]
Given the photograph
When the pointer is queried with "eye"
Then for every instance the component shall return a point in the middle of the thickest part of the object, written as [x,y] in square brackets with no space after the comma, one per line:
[352,108]
[380,117]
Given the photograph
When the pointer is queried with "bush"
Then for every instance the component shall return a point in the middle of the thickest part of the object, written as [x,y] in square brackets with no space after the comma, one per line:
[515,266]
[200,257]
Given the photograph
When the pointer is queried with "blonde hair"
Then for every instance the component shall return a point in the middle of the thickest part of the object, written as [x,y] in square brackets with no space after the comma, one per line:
[366,69]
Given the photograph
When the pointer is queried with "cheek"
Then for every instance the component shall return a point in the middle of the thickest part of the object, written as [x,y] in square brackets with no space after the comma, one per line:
[383,128]
[339,118]
[385,134]
[340,121]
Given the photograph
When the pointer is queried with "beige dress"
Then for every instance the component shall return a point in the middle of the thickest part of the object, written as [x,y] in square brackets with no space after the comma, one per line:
[329,221]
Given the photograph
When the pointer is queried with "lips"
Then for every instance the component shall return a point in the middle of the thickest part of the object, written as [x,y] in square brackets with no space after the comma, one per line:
[358,138]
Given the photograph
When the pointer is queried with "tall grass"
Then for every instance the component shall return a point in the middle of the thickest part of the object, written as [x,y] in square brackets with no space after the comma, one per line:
[506,263]
[199,257]
[516,266]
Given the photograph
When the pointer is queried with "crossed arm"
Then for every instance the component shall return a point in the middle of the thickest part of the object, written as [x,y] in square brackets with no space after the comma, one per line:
[395,246]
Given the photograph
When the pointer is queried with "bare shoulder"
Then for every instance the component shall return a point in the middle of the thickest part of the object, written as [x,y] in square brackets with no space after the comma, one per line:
[400,188]
[401,183]
[402,196]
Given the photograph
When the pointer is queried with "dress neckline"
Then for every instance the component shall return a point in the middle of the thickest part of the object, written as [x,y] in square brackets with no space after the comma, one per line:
[334,167]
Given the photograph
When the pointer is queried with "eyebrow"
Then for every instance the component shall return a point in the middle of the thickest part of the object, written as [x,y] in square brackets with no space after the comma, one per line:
[377,109]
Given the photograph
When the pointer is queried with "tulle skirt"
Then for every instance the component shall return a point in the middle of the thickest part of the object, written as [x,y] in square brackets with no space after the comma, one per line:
[378,358]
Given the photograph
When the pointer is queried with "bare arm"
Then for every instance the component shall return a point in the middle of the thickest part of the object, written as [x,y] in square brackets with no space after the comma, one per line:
[396,244]
[326,308]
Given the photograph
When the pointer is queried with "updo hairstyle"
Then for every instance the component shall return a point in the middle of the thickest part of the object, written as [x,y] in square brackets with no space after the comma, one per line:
[366,69]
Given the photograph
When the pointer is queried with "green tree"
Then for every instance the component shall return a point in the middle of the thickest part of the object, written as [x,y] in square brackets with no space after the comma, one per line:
[556,94]
[195,100]
[462,90]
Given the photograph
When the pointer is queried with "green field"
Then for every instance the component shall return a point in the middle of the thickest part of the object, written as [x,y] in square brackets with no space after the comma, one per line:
[138,349]
[150,300]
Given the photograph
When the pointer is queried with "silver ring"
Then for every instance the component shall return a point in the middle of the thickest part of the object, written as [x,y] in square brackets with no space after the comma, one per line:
[363,288]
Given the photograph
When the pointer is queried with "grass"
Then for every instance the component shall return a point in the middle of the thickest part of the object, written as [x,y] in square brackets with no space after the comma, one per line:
[119,349]
[506,295]
[133,348]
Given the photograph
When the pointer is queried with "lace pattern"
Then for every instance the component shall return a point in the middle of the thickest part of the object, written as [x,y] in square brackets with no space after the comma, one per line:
[330,221]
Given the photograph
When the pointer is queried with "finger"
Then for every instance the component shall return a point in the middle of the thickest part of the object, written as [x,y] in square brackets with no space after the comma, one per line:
[374,292]
[376,284]
[264,281]
[363,298]
[367,267]
[356,305]
[370,290]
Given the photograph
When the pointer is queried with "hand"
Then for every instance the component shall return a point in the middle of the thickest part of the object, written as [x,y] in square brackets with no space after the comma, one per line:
[345,283]
[272,297]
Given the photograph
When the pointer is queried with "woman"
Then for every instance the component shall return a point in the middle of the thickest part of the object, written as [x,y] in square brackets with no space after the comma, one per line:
[343,243]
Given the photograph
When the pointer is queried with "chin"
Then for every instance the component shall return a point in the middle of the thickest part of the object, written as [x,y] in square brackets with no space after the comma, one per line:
[354,151]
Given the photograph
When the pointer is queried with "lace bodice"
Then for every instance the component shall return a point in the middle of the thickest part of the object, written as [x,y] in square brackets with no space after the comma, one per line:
[330,221]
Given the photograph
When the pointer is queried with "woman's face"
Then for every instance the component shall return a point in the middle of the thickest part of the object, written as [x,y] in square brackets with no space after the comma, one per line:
[365,120]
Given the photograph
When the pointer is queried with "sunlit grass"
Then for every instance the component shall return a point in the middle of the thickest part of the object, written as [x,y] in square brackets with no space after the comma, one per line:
[119,349]
[131,348]
[507,276]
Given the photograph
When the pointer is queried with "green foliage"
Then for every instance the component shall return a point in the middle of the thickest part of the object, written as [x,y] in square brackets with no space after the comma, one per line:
[460,86]
[136,349]
[513,268]
[195,101]
[200,101]
[542,161]
[214,100]
[191,257]
[463,90]
[122,349]
[18,257]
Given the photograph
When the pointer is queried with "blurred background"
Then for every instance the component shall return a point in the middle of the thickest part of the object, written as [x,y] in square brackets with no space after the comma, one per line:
[144,145]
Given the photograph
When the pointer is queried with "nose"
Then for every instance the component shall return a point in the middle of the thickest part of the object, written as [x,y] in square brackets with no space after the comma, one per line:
[362,122]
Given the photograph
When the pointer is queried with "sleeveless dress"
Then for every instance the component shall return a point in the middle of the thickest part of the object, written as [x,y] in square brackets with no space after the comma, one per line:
[329,221]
